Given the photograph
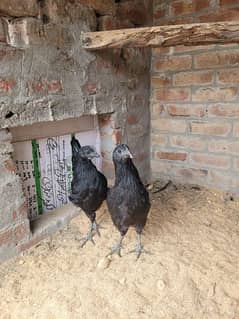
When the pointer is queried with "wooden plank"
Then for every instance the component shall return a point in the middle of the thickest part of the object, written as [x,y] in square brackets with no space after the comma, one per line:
[55,128]
[164,36]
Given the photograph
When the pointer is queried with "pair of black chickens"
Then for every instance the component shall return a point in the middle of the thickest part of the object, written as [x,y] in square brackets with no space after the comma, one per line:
[128,200]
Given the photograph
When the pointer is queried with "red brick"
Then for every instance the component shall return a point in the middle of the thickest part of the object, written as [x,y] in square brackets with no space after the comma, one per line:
[187,7]
[37,86]
[140,156]
[236,129]
[193,78]
[173,95]
[221,15]
[2,32]
[169,169]
[54,86]
[160,80]
[210,128]
[162,167]
[229,76]
[191,173]
[189,48]
[132,119]
[157,109]
[10,166]
[189,142]
[159,13]
[117,136]
[103,7]
[172,156]
[204,159]
[215,94]
[236,164]
[158,139]
[160,51]
[169,125]
[43,86]
[21,212]
[222,180]
[201,5]
[183,49]
[224,110]
[6,85]
[20,232]
[135,11]
[228,2]
[215,59]
[107,23]
[113,23]
[91,88]
[137,99]
[181,7]
[6,237]
[173,63]
[186,110]
[223,146]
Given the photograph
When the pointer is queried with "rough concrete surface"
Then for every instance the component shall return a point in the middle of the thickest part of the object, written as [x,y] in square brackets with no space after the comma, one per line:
[192,272]
[45,75]
[49,223]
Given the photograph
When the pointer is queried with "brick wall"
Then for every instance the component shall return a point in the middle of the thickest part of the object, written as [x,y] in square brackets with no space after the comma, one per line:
[14,224]
[130,123]
[195,101]
[45,75]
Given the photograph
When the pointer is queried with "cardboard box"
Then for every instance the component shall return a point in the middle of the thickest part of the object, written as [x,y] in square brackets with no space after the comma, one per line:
[44,164]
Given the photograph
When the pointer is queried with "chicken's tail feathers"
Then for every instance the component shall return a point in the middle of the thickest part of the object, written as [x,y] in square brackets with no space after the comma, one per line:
[75,145]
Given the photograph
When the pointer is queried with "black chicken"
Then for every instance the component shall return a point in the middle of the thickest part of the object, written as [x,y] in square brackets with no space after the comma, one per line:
[88,186]
[128,200]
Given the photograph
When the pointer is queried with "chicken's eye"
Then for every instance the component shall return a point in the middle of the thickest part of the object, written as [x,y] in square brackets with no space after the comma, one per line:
[119,151]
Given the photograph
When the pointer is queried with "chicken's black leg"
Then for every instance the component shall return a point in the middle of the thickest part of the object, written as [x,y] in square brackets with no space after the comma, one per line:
[117,248]
[89,236]
[139,248]
[97,228]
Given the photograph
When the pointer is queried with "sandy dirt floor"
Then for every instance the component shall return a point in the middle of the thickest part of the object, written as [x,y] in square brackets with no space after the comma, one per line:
[193,272]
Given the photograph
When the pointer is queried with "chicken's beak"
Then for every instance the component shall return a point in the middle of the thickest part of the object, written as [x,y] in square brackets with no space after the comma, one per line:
[131,155]
[95,155]
[128,154]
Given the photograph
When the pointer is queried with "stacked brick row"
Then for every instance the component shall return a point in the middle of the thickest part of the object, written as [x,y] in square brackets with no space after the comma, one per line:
[195,101]
[130,123]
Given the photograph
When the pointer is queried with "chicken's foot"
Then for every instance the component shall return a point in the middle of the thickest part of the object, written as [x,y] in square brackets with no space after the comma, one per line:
[117,248]
[89,236]
[139,248]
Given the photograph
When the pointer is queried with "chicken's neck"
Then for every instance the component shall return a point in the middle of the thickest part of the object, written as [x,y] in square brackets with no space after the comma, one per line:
[81,165]
[125,171]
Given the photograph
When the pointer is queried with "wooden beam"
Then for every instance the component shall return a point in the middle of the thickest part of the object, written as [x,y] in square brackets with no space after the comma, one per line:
[164,36]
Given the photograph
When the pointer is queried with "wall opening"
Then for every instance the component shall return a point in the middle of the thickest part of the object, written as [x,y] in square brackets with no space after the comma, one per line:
[42,154]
